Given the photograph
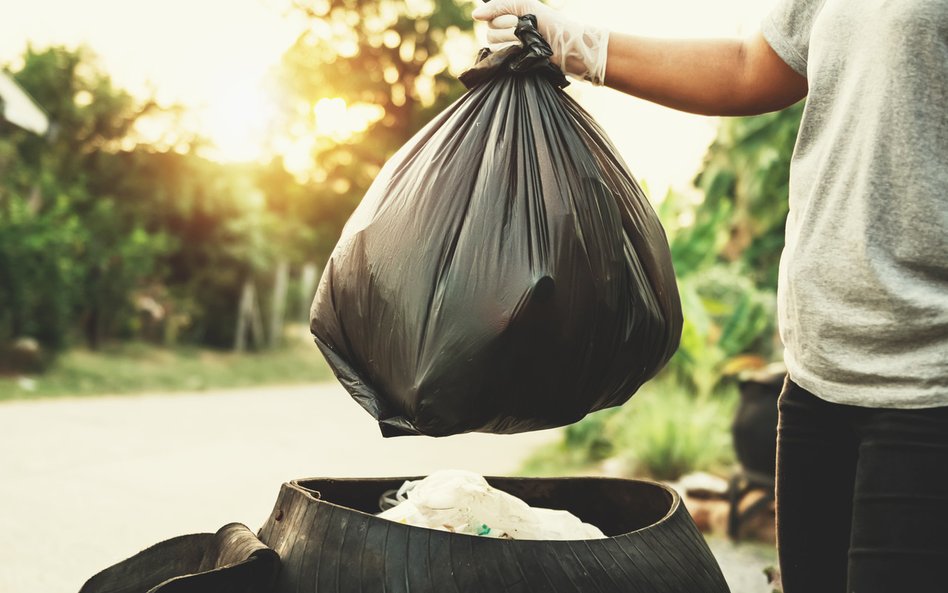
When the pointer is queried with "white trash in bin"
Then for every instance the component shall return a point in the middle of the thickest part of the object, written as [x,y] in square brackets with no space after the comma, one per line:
[463,502]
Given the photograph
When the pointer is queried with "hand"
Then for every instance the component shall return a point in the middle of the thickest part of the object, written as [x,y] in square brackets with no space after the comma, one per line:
[578,50]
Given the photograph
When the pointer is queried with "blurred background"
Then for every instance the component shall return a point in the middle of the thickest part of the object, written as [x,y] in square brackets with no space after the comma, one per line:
[174,175]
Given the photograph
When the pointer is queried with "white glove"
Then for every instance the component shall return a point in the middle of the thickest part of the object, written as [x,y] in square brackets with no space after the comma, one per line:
[580,51]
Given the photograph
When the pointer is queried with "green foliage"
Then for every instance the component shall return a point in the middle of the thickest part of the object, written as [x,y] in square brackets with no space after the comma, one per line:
[67,253]
[393,61]
[747,175]
[591,436]
[90,221]
[726,315]
[93,224]
[663,433]
[583,446]
[666,432]
[221,231]
[387,53]
[136,367]
[36,250]
[726,245]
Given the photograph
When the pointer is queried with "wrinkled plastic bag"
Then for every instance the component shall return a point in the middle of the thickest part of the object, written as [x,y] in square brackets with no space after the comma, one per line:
[504,272]
[463,502]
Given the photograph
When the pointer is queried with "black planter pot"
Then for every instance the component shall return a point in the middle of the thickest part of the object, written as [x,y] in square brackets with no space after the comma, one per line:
[755,443]
[329,541]
[755,424]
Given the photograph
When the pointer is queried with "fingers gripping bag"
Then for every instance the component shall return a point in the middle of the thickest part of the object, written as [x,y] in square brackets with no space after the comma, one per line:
[504,272]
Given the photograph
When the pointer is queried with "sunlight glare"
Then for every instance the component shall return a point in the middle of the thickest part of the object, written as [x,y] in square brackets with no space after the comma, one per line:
[220,70]
[239,122]
[297,155]
[338,121]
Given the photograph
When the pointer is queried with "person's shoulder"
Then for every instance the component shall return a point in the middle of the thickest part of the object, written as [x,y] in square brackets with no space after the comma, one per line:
[787,30]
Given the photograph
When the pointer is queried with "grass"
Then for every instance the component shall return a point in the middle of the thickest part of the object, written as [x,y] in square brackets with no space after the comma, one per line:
[662,433]
[139,368]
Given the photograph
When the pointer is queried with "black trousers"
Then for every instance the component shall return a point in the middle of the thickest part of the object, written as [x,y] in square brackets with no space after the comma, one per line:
[862,497]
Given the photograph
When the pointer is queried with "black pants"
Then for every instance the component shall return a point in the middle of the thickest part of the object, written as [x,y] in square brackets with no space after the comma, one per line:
[862,497]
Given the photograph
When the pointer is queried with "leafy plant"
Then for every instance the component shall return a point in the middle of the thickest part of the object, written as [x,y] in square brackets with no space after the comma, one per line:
[725,315]
[666,432]
[663,433]
[395,64]
[746,174]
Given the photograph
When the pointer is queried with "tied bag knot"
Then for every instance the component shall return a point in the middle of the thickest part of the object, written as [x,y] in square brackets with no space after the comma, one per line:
[533,57]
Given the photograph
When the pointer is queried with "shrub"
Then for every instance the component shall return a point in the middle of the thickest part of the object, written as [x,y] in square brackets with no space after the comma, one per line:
[664,432]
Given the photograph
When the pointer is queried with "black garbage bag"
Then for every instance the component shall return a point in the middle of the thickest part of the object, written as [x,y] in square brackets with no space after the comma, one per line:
[504,272]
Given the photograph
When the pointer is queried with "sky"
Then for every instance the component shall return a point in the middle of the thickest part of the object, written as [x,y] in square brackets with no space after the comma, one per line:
[214,57]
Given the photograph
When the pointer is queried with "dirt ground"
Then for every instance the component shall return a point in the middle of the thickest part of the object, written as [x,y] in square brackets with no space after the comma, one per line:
[85,483]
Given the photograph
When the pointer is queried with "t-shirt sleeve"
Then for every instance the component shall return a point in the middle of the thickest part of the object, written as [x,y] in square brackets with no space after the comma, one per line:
[787,29]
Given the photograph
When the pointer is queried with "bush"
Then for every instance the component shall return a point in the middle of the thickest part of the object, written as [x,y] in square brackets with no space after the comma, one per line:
[666,433]
[663,433]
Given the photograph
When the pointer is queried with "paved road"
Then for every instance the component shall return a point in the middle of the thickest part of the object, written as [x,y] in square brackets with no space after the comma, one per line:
[85,483]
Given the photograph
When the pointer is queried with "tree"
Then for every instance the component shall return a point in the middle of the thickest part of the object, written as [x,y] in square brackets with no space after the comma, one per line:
[38,276]
[89,217]
[219,234]
[384,59]
[68,251]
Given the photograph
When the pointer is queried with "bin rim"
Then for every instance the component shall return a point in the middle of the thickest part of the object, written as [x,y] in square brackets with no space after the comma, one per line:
[674,502]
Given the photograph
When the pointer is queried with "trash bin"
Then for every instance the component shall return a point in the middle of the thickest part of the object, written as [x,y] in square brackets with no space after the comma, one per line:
[230,561]
[329,540]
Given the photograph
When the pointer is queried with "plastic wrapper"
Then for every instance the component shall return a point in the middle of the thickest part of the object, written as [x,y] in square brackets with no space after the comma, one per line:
[463,502]
[504,272]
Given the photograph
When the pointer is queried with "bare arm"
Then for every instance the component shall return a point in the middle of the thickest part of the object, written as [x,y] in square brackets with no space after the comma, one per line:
[710,77]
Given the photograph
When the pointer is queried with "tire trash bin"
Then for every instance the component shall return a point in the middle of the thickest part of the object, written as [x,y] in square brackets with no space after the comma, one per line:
[323,536]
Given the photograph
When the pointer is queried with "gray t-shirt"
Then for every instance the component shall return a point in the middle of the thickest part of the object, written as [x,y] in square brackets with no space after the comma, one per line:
[863,291]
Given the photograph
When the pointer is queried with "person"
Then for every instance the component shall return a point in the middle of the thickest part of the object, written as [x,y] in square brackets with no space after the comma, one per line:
[862,472]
